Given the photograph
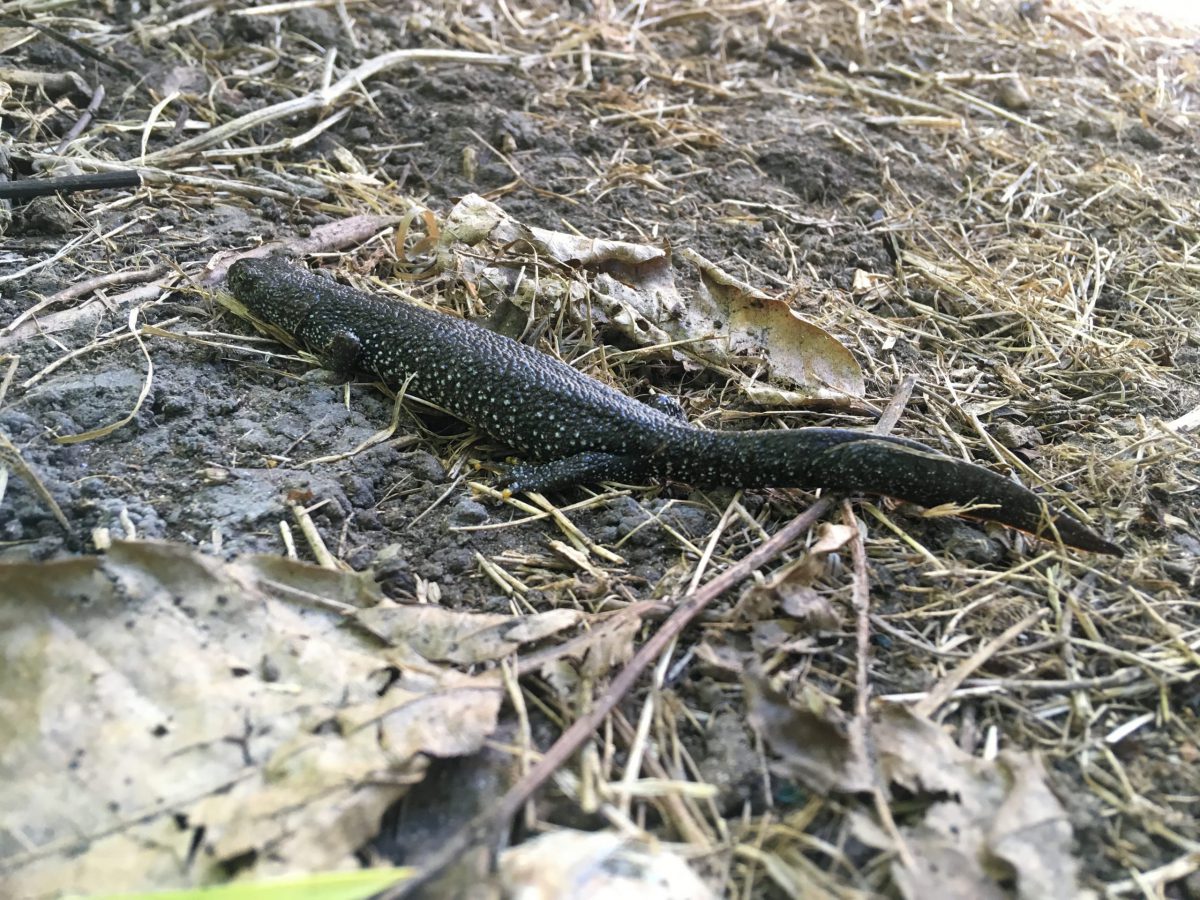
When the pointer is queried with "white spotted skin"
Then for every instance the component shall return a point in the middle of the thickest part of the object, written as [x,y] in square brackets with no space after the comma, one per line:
[586,430]
[537,404]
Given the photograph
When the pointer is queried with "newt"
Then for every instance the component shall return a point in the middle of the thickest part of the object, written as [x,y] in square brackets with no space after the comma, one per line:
[577,430]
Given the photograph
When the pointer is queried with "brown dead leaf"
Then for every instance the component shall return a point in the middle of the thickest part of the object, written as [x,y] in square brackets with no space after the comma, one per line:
[771,354]
[830,537]
[814,742]
[474,220]
[718,659]
[603,647]
[613,647]
[790,587]
[941,870]
[918,755]
[814,612]
[169,720]
[561,676]
[801,362]
[1030,830]
[334,235]
[987,823]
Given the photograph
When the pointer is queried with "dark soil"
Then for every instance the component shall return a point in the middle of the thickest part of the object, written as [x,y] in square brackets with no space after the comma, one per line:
[763,180]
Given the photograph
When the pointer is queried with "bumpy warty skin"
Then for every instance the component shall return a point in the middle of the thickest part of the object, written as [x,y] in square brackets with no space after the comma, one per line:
[582,430]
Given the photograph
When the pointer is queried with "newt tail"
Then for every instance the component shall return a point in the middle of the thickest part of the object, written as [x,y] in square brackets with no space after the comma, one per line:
[579,430]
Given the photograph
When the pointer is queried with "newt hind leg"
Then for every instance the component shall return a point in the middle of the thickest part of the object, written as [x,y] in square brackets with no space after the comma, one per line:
[582,468]
[340,353]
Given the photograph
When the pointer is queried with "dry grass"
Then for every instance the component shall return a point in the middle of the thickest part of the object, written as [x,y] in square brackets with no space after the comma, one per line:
[1039,189]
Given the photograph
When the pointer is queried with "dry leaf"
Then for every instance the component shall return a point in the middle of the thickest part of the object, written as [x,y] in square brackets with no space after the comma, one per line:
[718,659]
[802,362]
[831,536]
[814,743]
[812,611]
[771,354]
[170,721]
[790,587]
[603,865]
[463,638]
[334,235]
[474,220]
[613,646]
[987,824]
[999,821]
[1030,830]
[918,755]
[941,870]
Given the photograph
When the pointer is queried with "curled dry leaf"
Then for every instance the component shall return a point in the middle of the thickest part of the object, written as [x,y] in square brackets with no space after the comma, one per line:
[800,363]
[719,659]
[330,236]
[474,220]
[790,587]
[813,611]
[999,822]
[1030,831]
[170,718]
[772,355]
[612,648]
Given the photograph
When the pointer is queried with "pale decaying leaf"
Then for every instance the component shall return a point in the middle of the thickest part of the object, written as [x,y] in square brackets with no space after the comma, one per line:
[796,362]
[988,822]
[1030,830]
[771,354]
[169,719]
[474,220]
[463,638]
[613,647]
[601,865]
[1000,820]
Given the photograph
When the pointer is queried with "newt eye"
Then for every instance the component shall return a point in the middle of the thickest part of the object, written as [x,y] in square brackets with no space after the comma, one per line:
[235,277]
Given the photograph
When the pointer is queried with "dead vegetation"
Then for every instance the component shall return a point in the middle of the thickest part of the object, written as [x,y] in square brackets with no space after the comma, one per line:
[996,202]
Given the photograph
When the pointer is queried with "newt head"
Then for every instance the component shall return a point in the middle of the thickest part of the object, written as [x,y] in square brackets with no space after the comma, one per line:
[270,289]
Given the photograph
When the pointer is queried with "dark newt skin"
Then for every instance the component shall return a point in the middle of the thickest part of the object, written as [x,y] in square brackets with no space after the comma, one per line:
[584,431]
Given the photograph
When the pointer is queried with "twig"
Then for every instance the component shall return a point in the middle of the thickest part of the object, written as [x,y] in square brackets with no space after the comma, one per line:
[82,122]
[83,288]
[108,60]
[1149,883]
[320,99]
[316,543]
[11,456]
[861,593]
[69,184]
[895,408]
[55,84]
[108,429]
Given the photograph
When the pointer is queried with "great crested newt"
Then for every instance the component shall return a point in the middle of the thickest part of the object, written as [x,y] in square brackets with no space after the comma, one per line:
[579,430]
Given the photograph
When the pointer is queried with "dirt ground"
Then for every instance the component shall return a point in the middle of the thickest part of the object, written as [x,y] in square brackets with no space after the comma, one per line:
[997,198]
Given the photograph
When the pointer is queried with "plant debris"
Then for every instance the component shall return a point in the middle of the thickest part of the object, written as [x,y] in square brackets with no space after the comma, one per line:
[980,218]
